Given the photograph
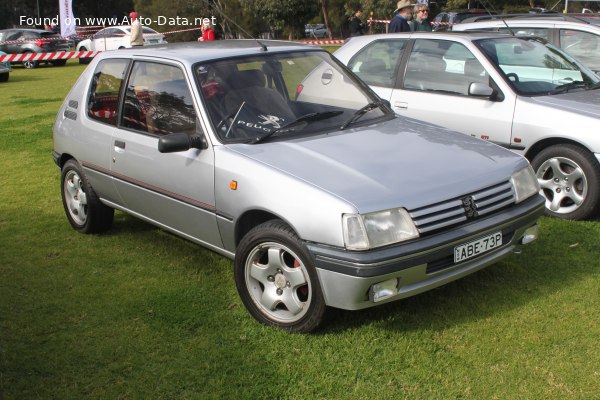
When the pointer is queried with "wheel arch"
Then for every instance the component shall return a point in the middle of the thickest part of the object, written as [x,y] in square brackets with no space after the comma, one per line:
[252,218]
[545,143]
[62,159]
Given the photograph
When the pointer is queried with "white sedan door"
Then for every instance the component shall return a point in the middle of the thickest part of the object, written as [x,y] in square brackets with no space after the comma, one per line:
[435,88]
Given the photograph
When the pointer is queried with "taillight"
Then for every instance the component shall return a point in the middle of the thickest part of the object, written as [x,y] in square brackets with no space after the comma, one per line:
[40,43]
[299,89]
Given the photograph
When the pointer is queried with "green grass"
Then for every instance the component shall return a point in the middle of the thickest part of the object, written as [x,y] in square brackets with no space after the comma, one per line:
[140,313]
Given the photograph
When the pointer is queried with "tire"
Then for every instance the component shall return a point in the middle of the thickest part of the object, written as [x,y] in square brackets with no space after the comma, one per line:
[85,212]
[84,60]
[569,178]
[4,77]
[30,64]
[276,279]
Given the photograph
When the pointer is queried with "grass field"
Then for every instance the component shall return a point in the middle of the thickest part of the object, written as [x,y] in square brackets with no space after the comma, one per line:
[140,313]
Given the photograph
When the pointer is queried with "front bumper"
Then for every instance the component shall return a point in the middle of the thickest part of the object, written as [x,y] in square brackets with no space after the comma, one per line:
[423,264]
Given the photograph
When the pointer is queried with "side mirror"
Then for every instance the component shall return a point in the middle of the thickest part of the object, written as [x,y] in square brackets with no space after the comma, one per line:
[176,142]
[479,89]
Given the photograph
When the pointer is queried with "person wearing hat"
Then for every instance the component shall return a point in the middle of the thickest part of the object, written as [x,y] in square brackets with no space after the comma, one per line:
[400,21]
[136,38]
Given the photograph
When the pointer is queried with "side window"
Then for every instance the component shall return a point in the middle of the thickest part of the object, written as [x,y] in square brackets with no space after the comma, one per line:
[443,67]
[377,63]
[539,32]
[103,98]
[582,45]
[158,100]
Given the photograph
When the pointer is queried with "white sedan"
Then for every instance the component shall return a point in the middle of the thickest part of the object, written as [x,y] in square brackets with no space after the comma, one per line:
[118,37]
[518,92]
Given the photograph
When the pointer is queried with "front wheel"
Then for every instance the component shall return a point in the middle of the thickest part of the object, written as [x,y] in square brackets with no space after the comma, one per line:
[569,178]
[276,279]
[84,210]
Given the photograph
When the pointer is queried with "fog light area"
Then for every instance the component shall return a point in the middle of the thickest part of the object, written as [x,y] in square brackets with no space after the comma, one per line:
[530,235]
[382,290]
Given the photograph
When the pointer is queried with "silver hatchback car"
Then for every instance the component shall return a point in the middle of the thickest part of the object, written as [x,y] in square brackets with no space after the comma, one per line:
[518,92]
[274,155]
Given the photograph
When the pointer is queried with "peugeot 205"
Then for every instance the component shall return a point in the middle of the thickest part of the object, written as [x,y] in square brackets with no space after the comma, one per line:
[275,155]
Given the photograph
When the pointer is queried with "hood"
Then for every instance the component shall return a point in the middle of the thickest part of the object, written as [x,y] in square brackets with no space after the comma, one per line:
[399,163]
[583,102]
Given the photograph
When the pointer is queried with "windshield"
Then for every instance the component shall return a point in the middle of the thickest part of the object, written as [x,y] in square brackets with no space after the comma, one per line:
[533,67]
[282,95]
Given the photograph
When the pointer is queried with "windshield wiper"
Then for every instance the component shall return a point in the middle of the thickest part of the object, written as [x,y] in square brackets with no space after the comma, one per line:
[359,113]
[315,116]
[568,86]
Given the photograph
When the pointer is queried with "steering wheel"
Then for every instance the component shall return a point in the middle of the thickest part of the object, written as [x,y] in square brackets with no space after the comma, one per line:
[512,77]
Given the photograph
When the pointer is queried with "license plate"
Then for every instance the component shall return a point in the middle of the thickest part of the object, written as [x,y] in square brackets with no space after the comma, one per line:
[477,247]
[153,40]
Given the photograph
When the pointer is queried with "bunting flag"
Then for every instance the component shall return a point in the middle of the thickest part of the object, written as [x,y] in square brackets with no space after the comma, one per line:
[67,19]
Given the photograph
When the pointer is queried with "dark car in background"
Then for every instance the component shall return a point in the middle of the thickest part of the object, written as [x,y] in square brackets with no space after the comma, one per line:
[446,19]
[22,40]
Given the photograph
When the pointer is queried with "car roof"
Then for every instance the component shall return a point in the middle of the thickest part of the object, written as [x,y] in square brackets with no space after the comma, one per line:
[26,30]
[192,52]
[533,22]
[546,17]
[467,35]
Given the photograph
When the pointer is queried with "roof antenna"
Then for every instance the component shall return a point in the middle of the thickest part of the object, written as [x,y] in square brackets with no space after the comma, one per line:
[261,44]
[501,17]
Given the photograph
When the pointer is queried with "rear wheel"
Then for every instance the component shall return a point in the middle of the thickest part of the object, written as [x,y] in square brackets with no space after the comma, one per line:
[276,279]
[30,64]
[84,210]
[84,60]
[569,178]
[4,77]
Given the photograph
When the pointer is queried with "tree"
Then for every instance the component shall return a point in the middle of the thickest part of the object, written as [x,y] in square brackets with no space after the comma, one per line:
[287,16]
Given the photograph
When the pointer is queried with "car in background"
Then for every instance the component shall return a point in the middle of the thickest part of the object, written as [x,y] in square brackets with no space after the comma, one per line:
[577,36]
[4,69]
[518,92]
[275,155]
[117,37]
[445,20]
[20,40]
[318,31]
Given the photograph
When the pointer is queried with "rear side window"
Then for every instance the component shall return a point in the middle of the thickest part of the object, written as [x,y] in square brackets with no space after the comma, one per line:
[584,46]
[103,98]
[377,63]
[158,100]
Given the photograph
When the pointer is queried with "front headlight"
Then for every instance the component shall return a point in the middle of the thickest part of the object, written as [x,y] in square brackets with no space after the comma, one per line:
[525,183]
[367,231]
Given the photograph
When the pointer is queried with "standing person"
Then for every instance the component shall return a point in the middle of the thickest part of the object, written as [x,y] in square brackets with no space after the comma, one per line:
[419,22]
[356,25]
[136,38]
[207,32]
[400,21]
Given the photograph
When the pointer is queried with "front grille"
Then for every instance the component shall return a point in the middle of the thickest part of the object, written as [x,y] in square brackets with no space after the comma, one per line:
[454,211]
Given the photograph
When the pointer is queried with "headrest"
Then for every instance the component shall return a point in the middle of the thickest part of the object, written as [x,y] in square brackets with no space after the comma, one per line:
[248,78]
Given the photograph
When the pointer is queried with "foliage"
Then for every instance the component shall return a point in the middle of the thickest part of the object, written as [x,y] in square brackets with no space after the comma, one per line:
[286,16]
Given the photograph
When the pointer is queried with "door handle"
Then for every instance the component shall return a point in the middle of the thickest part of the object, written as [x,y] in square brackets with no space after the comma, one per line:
[120,144]
[403,105]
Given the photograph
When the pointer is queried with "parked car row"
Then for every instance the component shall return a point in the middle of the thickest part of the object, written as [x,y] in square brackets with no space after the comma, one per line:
[277,156]
[17,41]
